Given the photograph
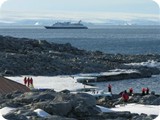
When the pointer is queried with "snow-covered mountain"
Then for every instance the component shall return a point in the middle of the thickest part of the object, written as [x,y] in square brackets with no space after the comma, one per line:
[42,22]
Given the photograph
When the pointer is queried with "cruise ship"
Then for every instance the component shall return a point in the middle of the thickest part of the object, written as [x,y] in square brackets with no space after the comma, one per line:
[67,25]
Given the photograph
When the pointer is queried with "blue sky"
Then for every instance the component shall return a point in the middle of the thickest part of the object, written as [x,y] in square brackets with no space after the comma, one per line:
[94,10]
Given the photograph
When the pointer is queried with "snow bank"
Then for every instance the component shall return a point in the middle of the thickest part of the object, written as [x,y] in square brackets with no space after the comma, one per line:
[2,118]
[158,118]
[138,108]
[67,81]
[5,111]
[104,109]
[134,108]
[59,83]
[119,71]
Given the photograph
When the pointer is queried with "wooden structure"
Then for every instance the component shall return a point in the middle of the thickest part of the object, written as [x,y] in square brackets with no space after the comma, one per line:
[8,86]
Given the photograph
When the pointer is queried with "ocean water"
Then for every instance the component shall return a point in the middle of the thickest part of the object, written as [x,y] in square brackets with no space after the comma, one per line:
[112,39]
[137,84]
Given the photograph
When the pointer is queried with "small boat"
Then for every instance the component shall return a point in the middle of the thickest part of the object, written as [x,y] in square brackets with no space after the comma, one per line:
[67,25]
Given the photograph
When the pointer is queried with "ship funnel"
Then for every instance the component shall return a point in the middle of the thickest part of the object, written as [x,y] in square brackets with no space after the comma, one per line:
[79,21]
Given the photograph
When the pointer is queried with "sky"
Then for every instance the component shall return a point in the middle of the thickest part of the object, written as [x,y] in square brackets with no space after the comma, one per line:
[86,10]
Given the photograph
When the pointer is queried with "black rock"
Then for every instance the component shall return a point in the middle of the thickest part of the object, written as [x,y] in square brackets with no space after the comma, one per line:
[13,116]
[55,117]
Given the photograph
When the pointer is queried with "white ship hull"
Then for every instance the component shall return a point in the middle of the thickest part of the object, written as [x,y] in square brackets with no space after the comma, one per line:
[66,25]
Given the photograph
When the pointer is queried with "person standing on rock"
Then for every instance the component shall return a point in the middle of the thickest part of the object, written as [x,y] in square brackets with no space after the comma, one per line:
[147,90]
[130,91]
[109,88]
[143,91]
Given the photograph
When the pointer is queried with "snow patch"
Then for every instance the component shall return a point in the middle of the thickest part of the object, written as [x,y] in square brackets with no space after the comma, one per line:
[69,82]
[158,118]
[149,63]
[134,108]
[6,110]
[41,113]
[2,118]
[58,83]
[119,71]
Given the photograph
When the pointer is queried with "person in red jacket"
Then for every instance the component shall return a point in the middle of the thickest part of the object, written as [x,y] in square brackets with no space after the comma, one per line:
[28,82]
[130,91]
[147,90]
[143,91]
[125,96]
[31,81]
[25,81]
[109,88]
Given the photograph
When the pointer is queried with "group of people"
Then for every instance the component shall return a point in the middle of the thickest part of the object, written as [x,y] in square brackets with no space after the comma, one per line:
[145,91]
[125,95]
[28,81]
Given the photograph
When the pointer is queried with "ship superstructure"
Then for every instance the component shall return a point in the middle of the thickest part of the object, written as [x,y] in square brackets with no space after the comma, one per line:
[67,25]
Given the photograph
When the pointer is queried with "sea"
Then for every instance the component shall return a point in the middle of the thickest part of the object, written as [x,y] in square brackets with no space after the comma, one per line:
[109,39]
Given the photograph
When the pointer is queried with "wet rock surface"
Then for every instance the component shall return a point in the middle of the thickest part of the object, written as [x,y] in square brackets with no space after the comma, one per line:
[22,56]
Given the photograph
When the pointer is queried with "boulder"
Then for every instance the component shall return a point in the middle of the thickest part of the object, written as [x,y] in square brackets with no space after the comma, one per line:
[106,102]
[135,98]
[8,72]
[61,108]
[117,115]
[87,99]
[13,116]
[142,117]
[84,110]
[147,99]
[65,91]
[156,101]
[32,97]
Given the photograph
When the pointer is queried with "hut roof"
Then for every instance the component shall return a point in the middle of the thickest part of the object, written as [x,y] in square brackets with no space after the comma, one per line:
[8,86]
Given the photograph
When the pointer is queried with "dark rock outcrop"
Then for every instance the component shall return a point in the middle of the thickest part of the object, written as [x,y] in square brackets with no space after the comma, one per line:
[13,116]
[147,99]
[38,57]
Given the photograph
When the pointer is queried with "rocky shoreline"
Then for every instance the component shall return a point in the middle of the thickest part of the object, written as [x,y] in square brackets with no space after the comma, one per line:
[23,56]
[68,106]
